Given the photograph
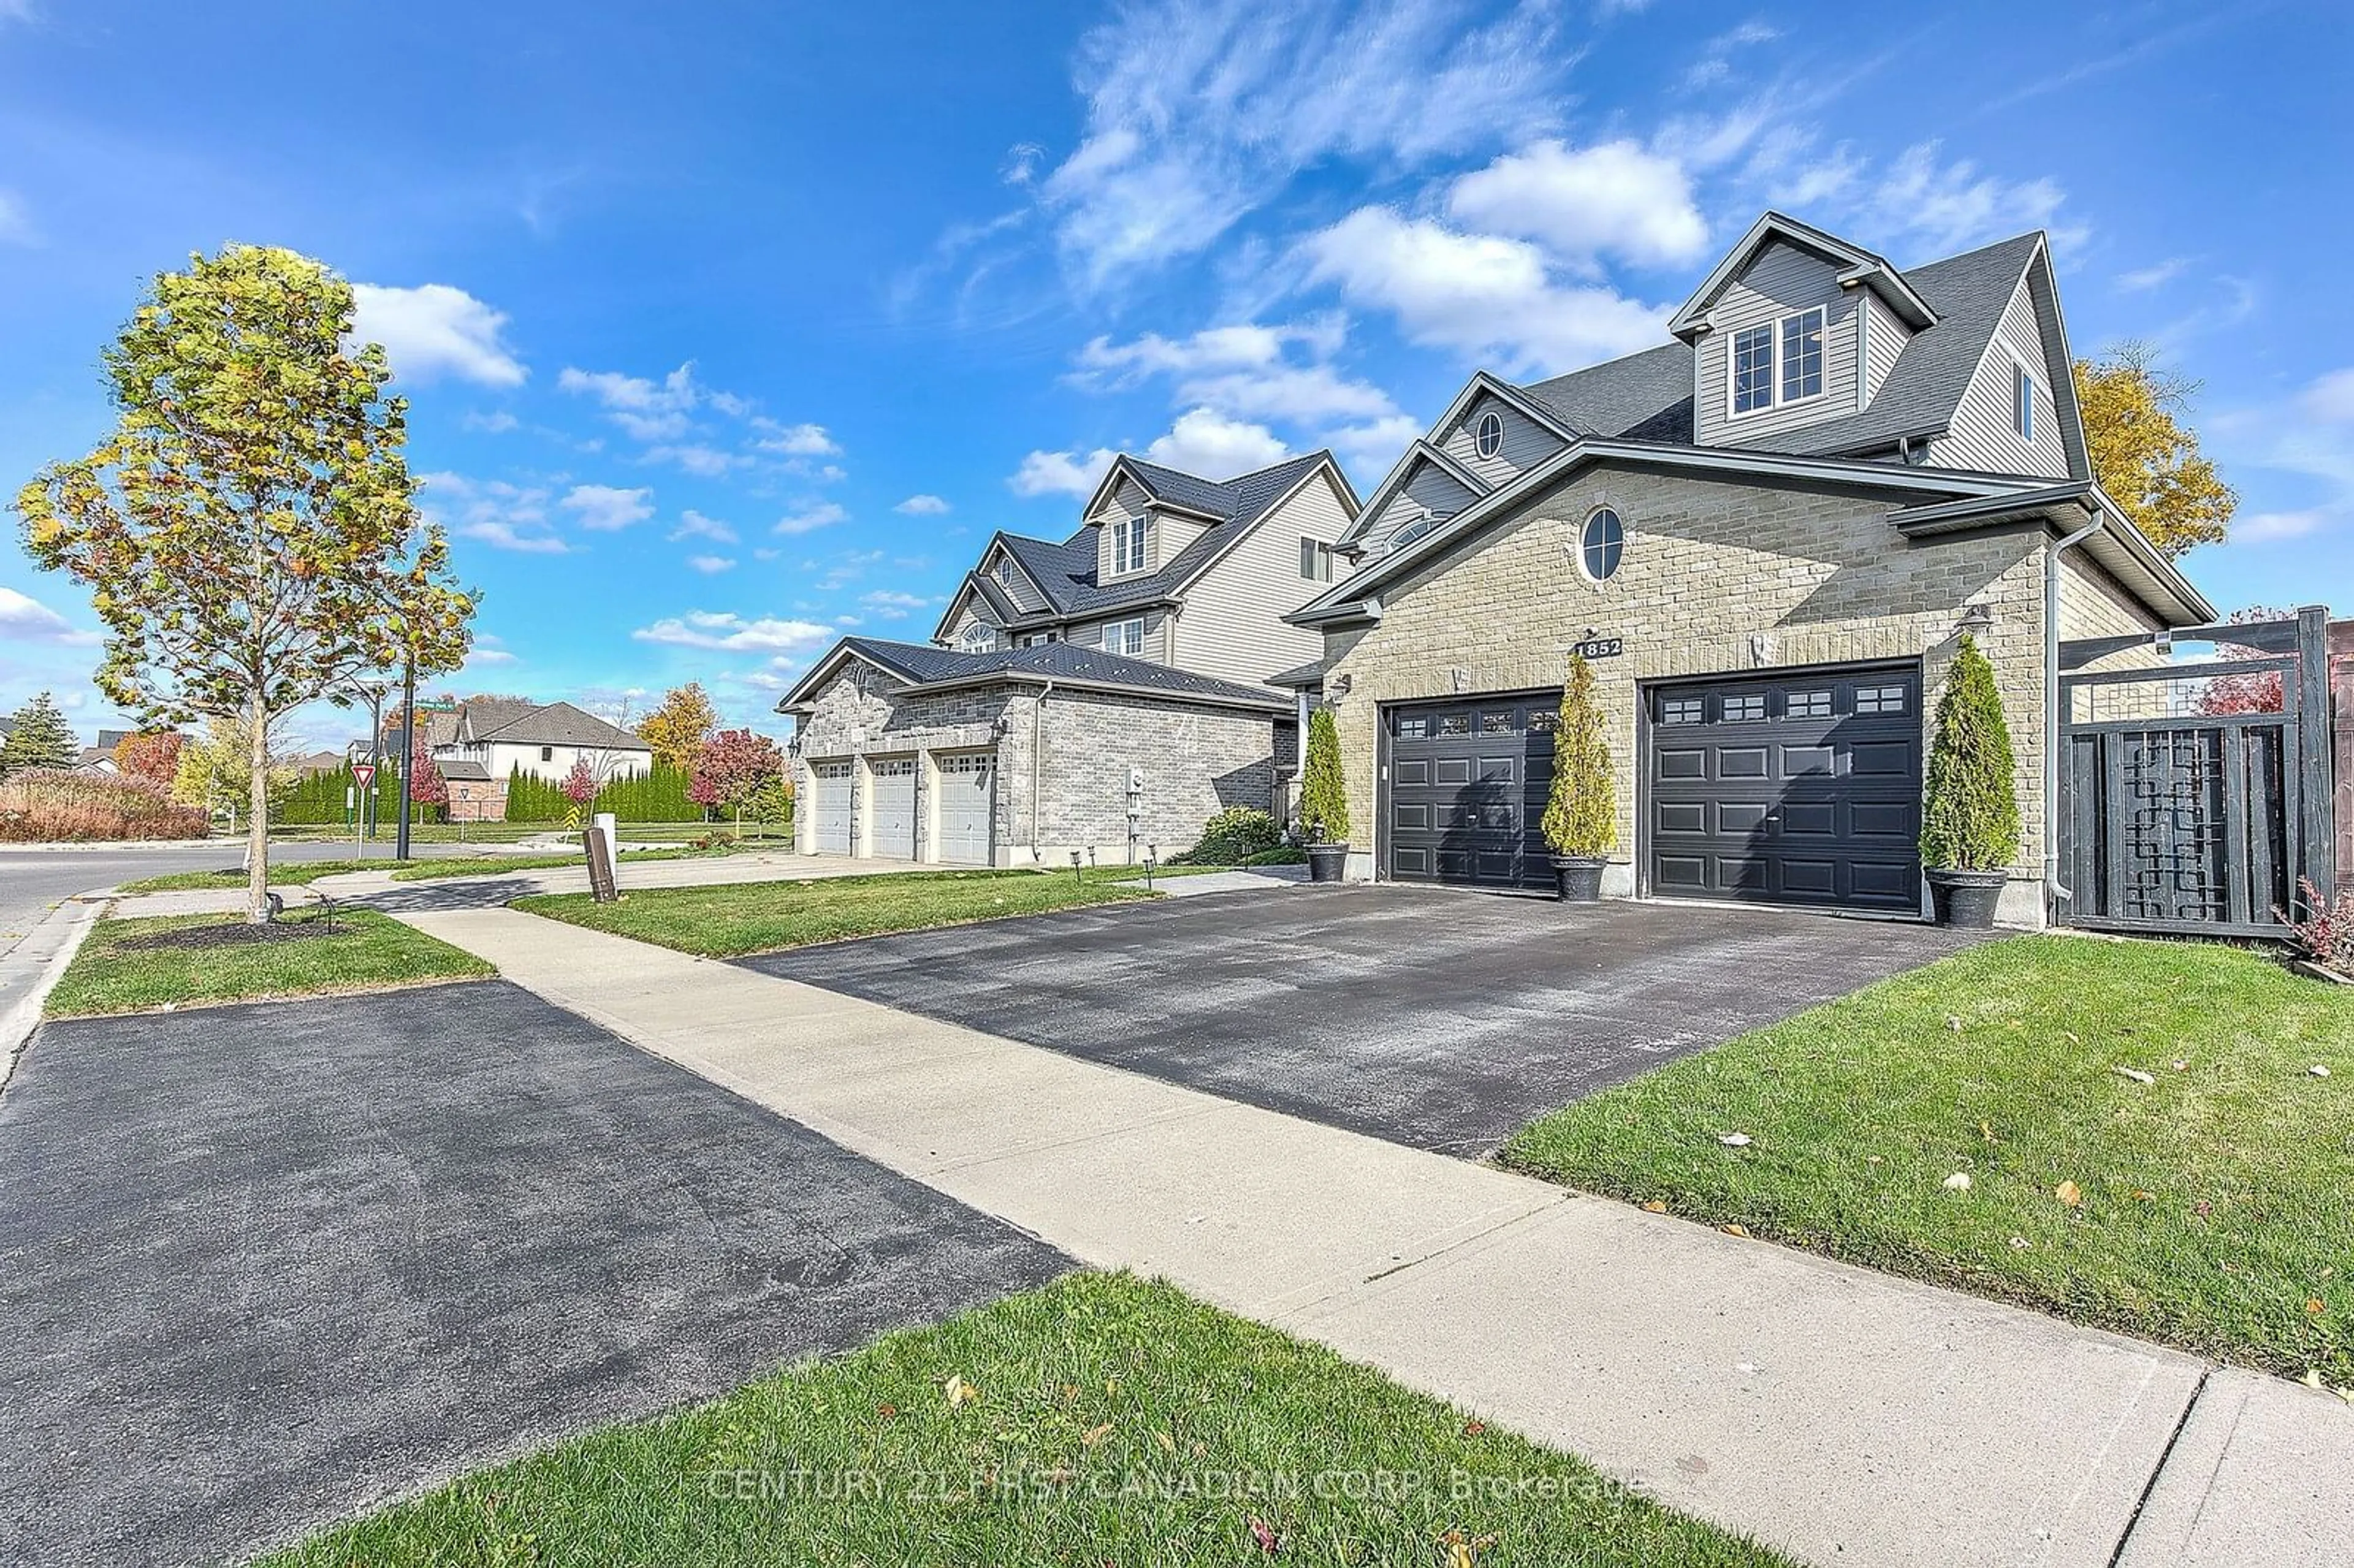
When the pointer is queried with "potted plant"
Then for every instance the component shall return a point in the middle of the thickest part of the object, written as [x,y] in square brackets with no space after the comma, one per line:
[1324,801]
[1581,814]
[1969,821]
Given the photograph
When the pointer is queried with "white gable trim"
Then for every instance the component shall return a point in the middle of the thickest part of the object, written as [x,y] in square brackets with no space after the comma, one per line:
[1857,266]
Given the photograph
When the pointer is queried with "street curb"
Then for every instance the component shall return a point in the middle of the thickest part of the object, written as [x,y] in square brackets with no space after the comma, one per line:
[31,969]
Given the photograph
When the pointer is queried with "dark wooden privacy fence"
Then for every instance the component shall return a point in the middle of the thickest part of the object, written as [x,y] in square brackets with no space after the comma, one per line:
[2176,818]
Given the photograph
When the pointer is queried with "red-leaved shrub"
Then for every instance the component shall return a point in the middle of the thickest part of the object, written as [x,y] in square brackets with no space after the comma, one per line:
[46,806]
[2326,933]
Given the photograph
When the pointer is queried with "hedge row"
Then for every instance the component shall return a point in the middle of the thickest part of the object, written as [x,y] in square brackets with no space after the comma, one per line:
[656,797]
[317,800]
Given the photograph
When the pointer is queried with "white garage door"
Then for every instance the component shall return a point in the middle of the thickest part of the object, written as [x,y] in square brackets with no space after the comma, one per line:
[893,809]
[830,817]
[968,807]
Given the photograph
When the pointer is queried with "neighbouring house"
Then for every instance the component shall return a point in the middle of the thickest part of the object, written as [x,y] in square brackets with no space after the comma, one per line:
[1105,694]
[482,744]
[316,762]
[1768,535]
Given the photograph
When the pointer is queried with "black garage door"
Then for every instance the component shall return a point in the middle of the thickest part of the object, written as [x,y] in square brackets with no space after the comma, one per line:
[1804,789]
[1465,791]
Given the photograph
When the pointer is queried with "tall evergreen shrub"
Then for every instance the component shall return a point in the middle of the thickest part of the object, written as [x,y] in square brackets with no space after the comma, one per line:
[1581,814]
[1324,792]
[1971,819]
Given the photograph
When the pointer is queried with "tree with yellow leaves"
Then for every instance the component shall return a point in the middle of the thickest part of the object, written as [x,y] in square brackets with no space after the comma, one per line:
[2143,454]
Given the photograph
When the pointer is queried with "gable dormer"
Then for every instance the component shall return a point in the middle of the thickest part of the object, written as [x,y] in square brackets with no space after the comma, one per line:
[1007,575]
[1794,327]
[1497,439]
[1136,532]
[1424,491]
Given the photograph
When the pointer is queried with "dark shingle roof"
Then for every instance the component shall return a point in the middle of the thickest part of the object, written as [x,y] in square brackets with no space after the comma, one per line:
[561,723]
[1066,572]
[457,772]
[923,664]
[1647,396]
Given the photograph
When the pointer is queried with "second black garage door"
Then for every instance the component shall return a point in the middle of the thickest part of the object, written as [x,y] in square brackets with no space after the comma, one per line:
[1802,789]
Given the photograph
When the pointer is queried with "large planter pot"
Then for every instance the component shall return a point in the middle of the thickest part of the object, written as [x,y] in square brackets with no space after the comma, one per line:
[1327,862]
[1967,899]
[1577,878]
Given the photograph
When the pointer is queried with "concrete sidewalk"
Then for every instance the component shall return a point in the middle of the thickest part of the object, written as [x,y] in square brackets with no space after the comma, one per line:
[1842,1415]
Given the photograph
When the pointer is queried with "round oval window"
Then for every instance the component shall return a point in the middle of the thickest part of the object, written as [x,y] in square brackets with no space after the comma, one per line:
[1602,545]
[1490,437]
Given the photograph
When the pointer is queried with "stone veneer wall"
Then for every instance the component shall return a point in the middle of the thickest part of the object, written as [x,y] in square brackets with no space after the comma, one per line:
[1717,577]
[1195,760]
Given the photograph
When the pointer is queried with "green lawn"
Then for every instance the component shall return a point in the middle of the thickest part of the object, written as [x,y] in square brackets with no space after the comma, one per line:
[282,873]
[494,865]
[1109,1421]
[377,952]
[2213,1206]
[762,916]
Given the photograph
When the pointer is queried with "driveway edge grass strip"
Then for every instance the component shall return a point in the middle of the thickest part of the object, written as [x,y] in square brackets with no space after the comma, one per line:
[2124,1134]
[376,953]
[1100,1418]
[738,920]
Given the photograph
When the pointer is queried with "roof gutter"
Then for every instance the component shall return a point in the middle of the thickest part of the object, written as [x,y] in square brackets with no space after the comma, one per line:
[1037,769]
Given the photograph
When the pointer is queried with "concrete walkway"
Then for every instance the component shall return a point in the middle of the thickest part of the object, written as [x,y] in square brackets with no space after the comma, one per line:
[1842,1415]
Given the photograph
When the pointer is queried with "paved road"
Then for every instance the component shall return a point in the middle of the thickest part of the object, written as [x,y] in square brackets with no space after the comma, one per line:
[32,880]
[1440,1020]
[262,1265]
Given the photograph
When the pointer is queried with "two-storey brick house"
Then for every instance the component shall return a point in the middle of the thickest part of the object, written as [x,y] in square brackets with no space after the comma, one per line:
[1768,535]
[1105,694]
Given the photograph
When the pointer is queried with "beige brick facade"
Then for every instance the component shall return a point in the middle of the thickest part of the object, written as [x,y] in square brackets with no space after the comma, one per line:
[1718,578]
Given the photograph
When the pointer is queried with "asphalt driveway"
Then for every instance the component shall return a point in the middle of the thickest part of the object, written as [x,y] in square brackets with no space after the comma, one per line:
[261,1266]
[1437,1019]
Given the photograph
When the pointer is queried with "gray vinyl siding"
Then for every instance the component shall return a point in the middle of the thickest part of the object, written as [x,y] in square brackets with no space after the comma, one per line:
[1164,536]
[1781,280]
[1014,582]
[1526,442]
[1428,489]
[1232,622]
[1885,338]
[971,616]
[1089,633]
[1983,435]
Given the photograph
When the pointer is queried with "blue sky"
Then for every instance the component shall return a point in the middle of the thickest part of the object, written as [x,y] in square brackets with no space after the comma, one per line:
[729,327]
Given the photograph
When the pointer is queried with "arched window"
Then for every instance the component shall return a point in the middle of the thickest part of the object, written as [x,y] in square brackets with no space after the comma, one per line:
[1490,437]
[1602,545]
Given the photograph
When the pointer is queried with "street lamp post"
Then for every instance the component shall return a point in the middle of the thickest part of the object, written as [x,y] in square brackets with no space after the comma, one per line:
[408,747]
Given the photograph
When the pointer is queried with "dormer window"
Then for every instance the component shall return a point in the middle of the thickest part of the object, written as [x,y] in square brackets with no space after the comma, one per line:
[1489,439]
[1778,365]
[1128,545]
[978,638]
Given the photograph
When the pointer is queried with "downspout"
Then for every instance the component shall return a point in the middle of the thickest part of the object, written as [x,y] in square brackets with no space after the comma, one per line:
[2053,888]
[1037,767]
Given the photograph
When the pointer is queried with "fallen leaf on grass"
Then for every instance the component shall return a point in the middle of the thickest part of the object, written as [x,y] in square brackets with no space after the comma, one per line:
[958,1392]
[1655,1207]
[1734,1231]
[2069,1194]
[2021,1243]
[1096,1434]
[2143,1195]
[1168,1444]
[1734,1139]
[2312,1306]
[2136,1074]
[2317,1071]
[1959,1181]
[1264,1533]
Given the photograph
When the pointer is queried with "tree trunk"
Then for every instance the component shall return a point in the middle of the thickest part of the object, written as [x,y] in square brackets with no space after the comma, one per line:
[257,822]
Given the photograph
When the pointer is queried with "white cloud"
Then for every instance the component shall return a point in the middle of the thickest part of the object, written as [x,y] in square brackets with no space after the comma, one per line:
[1952,207]
[732,633]
[694,524]
[824,513]
[711,565]
[2267,527]
[495,423]
[1373,447]
[646,410]
[1715,63]
[2332,397]
[16,223]
[923,507]
[2142,279]
[704,461]
[488,656]
[1201,111]
[435,330]
[797,441]
[605,509]
[1061,473]
[26,619]
[892,605]
[1208,443]
[1483,295]
[509,516]
[1584,204]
